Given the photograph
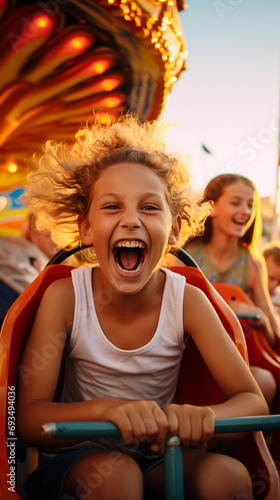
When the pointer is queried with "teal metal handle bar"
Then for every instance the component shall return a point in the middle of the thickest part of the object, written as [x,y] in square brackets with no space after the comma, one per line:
[248,315]
[173,464]
[247,424]
[80,429]
[108,429]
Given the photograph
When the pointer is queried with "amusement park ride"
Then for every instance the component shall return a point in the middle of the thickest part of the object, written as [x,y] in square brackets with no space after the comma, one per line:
[64,61]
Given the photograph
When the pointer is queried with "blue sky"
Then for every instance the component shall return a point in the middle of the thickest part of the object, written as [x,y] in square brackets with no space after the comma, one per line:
[228,98]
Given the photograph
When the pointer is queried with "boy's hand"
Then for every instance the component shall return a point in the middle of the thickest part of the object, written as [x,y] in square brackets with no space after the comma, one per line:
[141,422]
[194,425]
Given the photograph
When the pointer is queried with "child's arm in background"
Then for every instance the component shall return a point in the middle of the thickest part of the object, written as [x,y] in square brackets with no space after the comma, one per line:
[261,297]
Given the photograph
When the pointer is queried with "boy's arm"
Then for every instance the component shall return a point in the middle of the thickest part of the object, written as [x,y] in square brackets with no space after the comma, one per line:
[220,354]
[195,424]
[41,362]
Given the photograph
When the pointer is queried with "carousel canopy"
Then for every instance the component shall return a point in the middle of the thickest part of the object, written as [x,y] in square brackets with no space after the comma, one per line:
[62,62]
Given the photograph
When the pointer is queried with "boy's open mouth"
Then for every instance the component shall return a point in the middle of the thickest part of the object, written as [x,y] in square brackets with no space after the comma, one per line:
[129,255]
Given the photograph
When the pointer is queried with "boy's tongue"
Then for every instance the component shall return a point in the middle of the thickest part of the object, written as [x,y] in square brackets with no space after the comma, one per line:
[128,258]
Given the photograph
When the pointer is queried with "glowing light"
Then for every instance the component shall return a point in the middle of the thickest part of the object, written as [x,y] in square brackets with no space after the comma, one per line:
[42,21]
[77,44]
[3,199]
[125,9]
[104,119]
[12,168]
[39,26]
[112,102]
[111,83]
[100,67]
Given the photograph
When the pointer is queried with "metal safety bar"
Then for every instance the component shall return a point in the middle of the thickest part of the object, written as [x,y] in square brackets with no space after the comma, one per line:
[173,464]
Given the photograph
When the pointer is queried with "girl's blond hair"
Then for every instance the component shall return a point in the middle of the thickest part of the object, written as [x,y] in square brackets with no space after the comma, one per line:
[60,184]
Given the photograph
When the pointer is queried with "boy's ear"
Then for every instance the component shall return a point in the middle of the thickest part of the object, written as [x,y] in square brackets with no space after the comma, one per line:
[213,211]
[175,231]
[84,230]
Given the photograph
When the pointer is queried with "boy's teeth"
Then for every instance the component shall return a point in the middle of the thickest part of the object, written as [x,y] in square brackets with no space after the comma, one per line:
[130,244]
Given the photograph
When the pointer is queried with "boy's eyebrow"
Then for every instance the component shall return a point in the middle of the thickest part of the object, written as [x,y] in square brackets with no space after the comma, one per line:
[117,195]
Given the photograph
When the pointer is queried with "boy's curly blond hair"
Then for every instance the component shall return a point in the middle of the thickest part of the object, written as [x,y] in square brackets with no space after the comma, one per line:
[60,184]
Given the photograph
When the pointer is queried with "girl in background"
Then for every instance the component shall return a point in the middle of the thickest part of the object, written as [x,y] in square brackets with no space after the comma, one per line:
[228,252]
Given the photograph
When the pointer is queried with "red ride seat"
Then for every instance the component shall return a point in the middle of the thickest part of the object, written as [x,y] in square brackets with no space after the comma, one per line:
[251,449]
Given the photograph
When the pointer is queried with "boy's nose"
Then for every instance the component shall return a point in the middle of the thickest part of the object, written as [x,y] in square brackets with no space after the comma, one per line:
[130,221]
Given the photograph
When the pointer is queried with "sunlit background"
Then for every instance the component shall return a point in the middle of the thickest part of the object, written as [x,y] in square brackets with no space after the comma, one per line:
[228,99]
[61,66]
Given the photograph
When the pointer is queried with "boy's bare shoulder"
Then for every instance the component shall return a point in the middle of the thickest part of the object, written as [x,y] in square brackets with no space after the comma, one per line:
[55,313]
[193,296]
[196,303]
[61,285]
[60,294]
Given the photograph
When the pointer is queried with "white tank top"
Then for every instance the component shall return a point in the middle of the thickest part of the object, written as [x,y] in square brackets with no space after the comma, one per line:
[96,368]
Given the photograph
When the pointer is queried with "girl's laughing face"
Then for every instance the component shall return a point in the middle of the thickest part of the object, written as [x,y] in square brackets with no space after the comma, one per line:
[234,209]
[129,224]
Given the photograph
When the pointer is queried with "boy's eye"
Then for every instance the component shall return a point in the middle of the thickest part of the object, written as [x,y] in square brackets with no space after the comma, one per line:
[150,207]
[112,206]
